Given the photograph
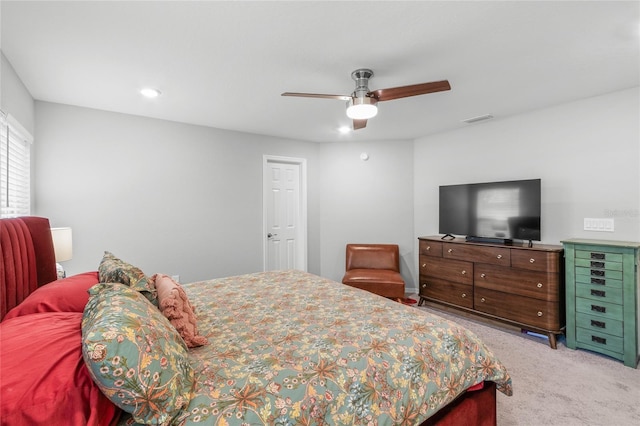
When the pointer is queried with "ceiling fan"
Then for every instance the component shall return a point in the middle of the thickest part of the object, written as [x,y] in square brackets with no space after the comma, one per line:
[362,103]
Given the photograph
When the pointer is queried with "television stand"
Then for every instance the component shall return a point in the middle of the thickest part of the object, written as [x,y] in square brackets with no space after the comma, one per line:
[517,285]
[448,236]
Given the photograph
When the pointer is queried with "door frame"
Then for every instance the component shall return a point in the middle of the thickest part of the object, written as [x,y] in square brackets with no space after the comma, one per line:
[302,163]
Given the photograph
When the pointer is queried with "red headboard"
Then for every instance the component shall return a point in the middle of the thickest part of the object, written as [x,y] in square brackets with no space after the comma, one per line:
[27,259]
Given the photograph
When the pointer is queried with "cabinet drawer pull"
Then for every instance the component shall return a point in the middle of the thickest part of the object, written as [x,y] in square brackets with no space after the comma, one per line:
[450,251]
[483,300]
[539,313]
[599,293]
[424,286]
[464,295]
[424,265]
[599,281]
[464,272]
[598,324]
[600,340]
[499,256]
[428,248]
[483,275]
[539,285]
[597,256]
[532,260]
[597,273]
[600,309]
[597,264]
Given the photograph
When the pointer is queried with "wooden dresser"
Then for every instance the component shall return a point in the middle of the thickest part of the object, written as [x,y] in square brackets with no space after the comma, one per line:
[602,297]
[515,284]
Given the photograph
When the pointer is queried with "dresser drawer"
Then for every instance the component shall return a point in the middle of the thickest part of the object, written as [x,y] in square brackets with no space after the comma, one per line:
[604,282]
[453,270]
[474,253]
[535,260]
[431,248]
[599,309]
[539,285]
[601,325]
[599,293]
[599,264]
[524,310]
[447,291]
[600,340]
[598,255]
[599,273]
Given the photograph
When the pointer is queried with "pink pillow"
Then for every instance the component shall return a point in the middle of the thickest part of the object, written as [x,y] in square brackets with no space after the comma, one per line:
[174,304]
[66,295]
[44,378]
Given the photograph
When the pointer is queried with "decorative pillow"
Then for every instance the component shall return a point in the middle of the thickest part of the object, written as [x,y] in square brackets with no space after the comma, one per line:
[134,354]
[66,295]
[115,270]
[44,378]
[174,304]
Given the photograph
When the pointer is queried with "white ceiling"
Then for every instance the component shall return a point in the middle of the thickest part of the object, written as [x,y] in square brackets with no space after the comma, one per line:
[225,64]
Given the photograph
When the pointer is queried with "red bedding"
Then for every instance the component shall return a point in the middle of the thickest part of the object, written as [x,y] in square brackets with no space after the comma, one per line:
[44,378]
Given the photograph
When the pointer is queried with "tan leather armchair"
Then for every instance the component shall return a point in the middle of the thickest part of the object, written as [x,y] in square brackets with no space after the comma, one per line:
[375,268]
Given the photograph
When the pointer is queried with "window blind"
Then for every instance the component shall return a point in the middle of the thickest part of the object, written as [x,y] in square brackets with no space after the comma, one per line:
[15,168]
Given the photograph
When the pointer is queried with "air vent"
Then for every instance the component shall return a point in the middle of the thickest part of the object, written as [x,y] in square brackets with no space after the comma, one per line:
[478,118]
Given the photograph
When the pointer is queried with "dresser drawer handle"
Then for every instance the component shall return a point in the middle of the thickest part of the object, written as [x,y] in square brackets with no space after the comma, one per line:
[450,251]
[424,265]
[600,340]
[464,295]
[599,281]
[428,248]
[532,260]
[597,264]
[539,285]
[598,324]
[597,273]
[483,275]
[424,286]
[539,313]
[464,272]
[483,300]
[597,256]
[600,309]
[599,293]
[499,256]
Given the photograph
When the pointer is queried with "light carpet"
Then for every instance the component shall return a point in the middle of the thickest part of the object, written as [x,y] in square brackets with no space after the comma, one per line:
[556,387]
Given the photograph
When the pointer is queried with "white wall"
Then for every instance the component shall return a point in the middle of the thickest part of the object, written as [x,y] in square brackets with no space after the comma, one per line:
[366,201]
[587,154]
[15,99]
[167,197]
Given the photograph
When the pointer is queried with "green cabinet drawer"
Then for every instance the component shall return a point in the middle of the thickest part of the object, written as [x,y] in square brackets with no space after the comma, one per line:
[607,282]
[598,273]
[599,309]
[598,255]
[600,340]
[598,324]
[599,264]
[600,293]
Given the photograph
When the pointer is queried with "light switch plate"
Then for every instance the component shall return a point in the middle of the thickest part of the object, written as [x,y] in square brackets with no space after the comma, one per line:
[599,224]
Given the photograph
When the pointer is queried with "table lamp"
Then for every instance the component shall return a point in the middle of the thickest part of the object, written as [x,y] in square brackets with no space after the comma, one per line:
[62,247]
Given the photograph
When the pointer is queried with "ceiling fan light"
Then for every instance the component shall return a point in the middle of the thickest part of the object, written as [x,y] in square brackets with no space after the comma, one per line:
[362,108]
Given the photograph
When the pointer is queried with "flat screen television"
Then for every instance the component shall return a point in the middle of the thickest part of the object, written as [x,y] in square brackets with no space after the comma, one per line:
[494,211]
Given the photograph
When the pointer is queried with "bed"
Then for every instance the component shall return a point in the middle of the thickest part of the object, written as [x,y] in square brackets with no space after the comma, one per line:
[117,346]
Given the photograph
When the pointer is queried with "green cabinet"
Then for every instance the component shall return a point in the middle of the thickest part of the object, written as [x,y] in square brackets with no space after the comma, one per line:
[602,297]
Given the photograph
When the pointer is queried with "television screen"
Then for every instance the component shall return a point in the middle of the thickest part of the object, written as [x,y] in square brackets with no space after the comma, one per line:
[501,210]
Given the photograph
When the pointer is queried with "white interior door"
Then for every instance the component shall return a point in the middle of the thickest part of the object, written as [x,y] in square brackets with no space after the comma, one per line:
[285,213]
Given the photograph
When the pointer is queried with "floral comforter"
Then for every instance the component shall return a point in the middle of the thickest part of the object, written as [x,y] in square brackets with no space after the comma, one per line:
[292,348]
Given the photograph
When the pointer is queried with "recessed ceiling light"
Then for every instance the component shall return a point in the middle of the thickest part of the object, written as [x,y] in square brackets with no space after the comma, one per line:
[344,129]
[150,92]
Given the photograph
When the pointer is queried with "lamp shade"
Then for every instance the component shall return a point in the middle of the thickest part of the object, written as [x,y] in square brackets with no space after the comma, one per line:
[62,243]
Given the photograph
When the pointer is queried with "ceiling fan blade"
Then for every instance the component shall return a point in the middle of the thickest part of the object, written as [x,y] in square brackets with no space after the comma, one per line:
[359,124]
[317,95]
[411,90]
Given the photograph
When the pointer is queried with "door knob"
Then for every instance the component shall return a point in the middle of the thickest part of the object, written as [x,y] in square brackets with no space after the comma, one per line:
[270,235]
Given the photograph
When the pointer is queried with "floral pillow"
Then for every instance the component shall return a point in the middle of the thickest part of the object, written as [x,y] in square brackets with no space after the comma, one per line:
[115,270]
[134,354]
